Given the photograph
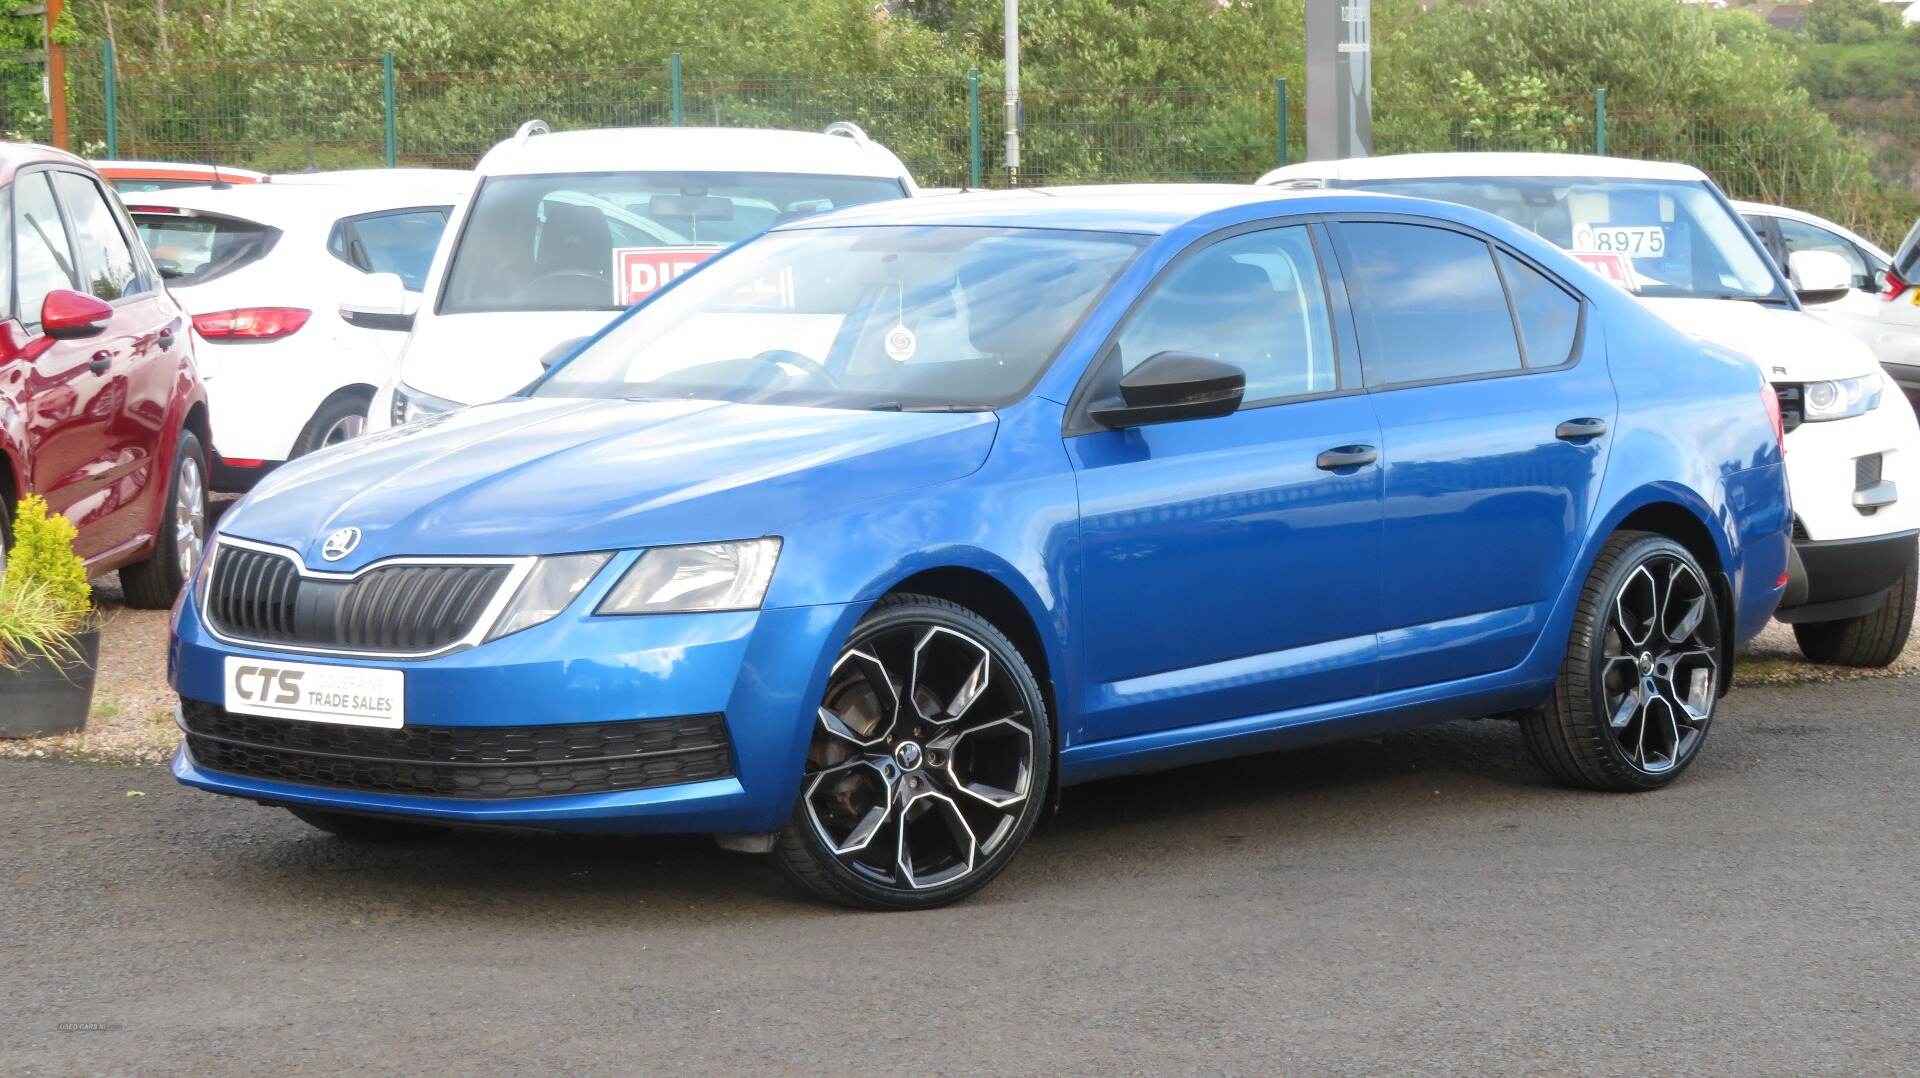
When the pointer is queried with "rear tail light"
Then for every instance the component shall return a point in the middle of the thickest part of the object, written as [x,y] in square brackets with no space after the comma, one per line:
[251,323]
[1771,398]
[1895,286]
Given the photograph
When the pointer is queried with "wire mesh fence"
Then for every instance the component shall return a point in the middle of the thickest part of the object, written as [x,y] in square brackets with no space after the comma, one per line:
[1859,164]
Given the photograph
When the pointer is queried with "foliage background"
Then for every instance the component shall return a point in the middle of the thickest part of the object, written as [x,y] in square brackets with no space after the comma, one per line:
[1112,89]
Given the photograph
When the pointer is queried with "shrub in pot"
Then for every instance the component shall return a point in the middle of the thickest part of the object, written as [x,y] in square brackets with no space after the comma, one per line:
[49,640]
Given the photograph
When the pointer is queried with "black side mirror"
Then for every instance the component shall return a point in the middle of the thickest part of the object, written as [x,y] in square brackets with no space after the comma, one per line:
[559,352]
[1170,386]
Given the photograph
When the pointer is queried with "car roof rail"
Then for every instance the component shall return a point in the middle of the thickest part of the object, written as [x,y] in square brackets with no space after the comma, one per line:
[850,130]
[531,128]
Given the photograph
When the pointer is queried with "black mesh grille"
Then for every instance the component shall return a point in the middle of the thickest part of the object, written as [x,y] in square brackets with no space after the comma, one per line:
[1792,406]
[255,595]
[1866,471]
[462,761]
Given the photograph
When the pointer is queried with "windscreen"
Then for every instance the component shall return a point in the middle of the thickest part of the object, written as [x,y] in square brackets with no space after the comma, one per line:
[901,317]
[606,240]
[194,250]
[1656,238]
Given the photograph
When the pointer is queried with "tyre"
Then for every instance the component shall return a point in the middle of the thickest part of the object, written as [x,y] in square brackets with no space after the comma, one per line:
[154,583]
[1637,688]
[928,766]
[359,828]
[340,418]
[1875,639]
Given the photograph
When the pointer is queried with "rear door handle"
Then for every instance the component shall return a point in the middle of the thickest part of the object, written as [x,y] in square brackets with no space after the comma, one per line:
[1575,430]
[1346,456]
[101,361]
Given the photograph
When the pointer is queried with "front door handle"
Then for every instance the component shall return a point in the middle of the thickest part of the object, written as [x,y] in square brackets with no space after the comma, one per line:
[1346,456]
[1579,430]
[101,361]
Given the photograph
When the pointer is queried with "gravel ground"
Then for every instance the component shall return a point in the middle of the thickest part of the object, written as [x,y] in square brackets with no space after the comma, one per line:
[1423,902]
[132,712]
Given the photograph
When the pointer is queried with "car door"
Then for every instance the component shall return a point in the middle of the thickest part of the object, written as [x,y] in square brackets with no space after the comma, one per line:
[1228,567]
[1494,437]
[137,355]
[66,392]
[399,241]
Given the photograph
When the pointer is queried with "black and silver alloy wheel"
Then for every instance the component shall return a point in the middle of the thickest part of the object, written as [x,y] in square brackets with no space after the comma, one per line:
[928,761]
[1642,672]
[1660,667]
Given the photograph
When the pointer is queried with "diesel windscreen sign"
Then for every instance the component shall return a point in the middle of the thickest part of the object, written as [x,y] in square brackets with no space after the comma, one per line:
[639,272]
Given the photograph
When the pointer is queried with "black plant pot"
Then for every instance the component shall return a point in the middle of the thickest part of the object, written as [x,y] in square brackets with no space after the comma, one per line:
[43,697]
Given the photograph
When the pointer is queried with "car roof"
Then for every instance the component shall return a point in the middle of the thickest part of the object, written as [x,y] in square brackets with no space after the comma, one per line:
[451,177]
[1436,165]
[281,205]
[690,149]
[1764,209]
[1145,209]
[13,155]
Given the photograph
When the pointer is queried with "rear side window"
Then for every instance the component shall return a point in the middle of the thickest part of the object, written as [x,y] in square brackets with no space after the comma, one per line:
[1549,317]
[106,257]
[1428,304]
[193,250]
[401,243]
[43,258]
[1797,236]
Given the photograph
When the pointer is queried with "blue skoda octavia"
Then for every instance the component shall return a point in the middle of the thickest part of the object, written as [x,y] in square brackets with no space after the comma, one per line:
[858,544]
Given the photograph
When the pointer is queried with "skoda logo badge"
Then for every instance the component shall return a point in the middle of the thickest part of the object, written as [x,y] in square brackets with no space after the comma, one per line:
[340,544]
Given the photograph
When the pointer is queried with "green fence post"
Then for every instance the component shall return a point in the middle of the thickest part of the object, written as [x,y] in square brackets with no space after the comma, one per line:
[973,127]
[113,100]
[1280,117]
[1600,121]
[674,62]
[393,129]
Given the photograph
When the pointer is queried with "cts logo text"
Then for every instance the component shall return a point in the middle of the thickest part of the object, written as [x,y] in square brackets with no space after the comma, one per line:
[266,685]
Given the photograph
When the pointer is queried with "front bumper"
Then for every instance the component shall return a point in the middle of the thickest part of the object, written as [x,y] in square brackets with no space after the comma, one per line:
[761,671]
[1844,578]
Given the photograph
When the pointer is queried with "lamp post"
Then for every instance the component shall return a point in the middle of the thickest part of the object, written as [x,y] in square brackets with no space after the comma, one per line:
[1013,92]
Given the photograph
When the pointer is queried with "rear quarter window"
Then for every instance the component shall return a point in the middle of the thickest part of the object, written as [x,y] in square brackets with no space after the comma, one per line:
[1549,316]
[191,250]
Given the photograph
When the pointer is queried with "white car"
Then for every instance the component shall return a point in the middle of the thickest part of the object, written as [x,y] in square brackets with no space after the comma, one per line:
[566,230]
[1884,316]
[263,269]
[1666,233]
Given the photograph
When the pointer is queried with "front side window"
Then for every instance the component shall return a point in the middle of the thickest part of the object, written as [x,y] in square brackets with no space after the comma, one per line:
[940,318]
[43,259]
[400,243]
[1256,301]
[1656,238]
[606,240]
[106,261]
[1799,236]
[1428,303]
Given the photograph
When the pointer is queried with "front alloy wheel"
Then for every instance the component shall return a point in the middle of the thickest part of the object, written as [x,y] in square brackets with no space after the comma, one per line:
[1642,671]
[928,762]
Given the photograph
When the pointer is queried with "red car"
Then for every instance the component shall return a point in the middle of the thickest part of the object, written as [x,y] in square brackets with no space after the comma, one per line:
[101,410]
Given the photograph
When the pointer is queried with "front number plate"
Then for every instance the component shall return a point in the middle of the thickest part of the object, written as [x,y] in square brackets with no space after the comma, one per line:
[349,695]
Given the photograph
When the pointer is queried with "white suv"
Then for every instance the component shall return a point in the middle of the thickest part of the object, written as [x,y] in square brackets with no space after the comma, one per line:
[566,230]
[1666,233]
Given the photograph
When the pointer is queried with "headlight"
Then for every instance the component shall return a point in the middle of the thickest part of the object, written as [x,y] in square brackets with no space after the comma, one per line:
[547,591]
[410,404]
[1840,398]
[703,576]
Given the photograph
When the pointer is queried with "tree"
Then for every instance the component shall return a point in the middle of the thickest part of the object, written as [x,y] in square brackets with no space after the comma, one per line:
[1849,22]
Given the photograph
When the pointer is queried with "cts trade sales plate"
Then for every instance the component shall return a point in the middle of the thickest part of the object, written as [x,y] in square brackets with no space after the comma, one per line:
[349,695]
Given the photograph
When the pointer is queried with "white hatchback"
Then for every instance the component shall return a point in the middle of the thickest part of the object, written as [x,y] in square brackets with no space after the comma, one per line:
[566,230]
[263,269]
[1667,234]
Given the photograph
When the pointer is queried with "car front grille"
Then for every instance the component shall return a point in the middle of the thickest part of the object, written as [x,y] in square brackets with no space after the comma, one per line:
[1792,404]
[474,762]
[261,596]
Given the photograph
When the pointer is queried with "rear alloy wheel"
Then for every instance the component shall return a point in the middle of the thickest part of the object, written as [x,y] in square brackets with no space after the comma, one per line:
[1870,640]
[928,765]
[1641,677]
[154,583]
[340,419]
